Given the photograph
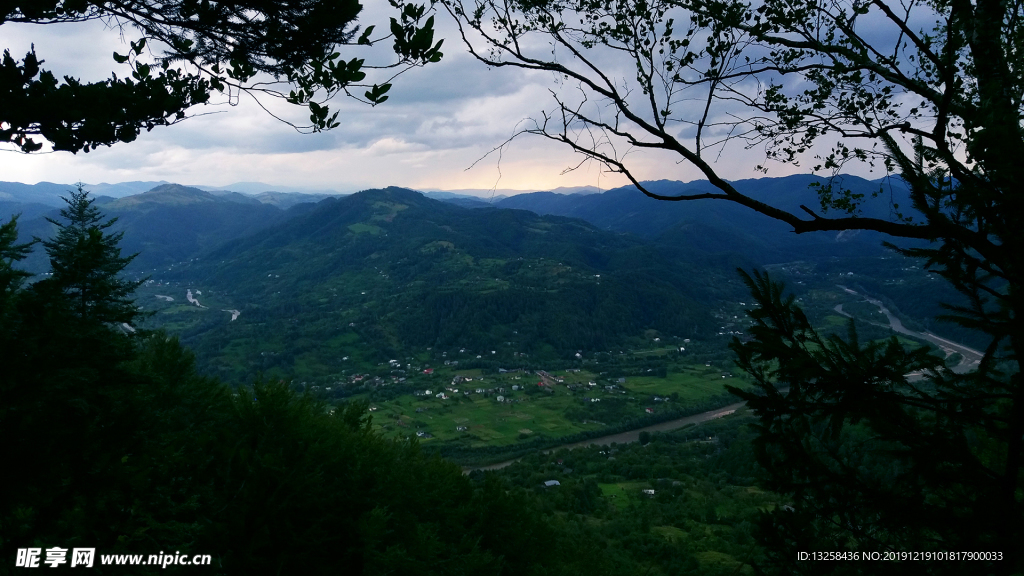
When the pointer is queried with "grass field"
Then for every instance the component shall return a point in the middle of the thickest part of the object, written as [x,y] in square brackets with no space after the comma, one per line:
[620,493]
[487,422]
[695,383]
[550,412]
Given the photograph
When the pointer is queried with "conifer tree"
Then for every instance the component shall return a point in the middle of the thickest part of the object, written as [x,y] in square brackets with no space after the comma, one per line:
[87,264]
[10,277]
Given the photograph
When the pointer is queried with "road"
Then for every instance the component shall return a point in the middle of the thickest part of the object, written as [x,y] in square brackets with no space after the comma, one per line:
[970,358]
[631,435]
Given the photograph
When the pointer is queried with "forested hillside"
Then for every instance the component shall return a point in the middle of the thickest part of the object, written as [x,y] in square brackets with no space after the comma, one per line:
[380,273]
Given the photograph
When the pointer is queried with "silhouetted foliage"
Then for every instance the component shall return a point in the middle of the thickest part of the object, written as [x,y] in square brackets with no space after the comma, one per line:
[206,48]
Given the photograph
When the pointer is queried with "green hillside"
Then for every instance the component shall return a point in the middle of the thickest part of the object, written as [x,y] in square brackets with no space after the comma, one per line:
[389,273]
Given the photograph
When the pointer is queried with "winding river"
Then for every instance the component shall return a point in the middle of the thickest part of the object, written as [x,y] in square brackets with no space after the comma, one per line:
[969,357]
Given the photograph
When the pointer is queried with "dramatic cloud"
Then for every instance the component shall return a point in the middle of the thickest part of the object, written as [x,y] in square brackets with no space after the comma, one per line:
[439,121]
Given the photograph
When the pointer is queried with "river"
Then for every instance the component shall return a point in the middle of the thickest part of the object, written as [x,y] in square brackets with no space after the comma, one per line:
[969,357]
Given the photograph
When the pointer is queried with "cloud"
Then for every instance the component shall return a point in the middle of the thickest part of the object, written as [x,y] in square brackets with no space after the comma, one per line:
[439,121]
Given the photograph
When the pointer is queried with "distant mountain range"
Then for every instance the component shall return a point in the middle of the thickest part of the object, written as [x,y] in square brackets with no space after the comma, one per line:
[168,223]
[50,194]
[718,226]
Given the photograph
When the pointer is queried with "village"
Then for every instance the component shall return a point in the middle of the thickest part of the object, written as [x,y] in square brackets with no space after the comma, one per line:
[495,407]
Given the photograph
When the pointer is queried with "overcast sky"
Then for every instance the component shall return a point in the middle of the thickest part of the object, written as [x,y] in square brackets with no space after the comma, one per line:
[437,123]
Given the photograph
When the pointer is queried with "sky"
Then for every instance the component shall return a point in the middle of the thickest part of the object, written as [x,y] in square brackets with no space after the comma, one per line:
[435,132]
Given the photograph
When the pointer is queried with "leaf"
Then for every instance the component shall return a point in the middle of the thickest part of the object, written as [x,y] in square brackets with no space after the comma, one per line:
[364,38]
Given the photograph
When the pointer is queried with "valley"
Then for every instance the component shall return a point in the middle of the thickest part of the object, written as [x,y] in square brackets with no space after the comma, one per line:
[582,366]
[440,317]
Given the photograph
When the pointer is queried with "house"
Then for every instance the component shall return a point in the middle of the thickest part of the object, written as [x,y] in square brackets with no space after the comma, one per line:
[550,483]
[500,398]
[461,428]
[428,371]
[649,492]
[649,410]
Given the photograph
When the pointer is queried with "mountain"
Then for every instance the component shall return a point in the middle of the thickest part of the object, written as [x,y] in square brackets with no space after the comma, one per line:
[122,189]
[24,210]
[256,188]
[50,194]
[167,224]
[46,193]
[173,223]
[491,195]
[732,227]
[285,200]
[382,273]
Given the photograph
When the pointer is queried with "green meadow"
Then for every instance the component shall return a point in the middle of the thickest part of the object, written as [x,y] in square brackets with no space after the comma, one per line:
[566,408]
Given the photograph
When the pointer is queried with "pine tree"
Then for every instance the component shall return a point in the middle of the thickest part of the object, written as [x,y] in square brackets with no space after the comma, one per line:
[10,277]
[87,264]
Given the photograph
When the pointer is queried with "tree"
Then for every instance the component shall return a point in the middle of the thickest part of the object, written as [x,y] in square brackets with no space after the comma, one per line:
[281,48]
[86,264]
[11,278]
[928,92]
[69,409]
